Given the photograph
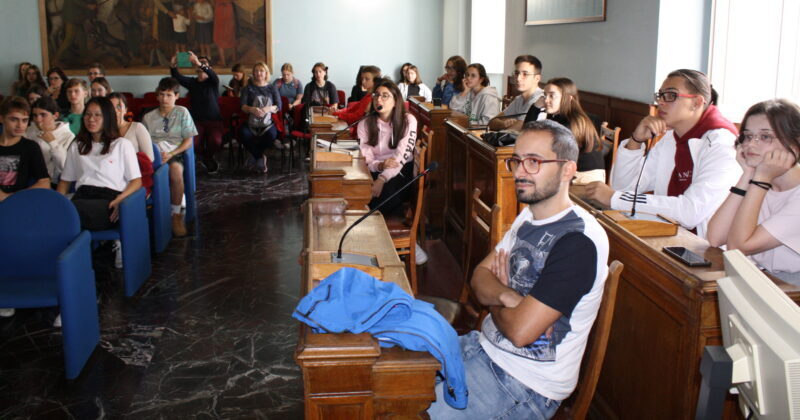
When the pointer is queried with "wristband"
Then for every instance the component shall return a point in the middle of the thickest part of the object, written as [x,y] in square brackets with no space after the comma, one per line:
[738,191]
[765,185]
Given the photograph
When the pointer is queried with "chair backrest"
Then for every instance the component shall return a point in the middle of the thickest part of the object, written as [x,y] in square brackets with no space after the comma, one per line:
[418,201]
[36,225]
[610,139]
[340,94]
[149,96]
[595,351]
[156,156]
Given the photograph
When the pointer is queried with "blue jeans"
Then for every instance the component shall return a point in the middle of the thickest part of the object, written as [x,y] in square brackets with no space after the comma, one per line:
[493,394]
[257,144]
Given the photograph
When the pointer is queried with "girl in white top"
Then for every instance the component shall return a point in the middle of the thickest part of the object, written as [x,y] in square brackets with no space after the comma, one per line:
[100,158]
[135,132]
[387,143]
[413,84]
[52,136]
[760,215]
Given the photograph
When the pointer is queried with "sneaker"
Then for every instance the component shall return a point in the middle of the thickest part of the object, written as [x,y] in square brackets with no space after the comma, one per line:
[117,247]
[278,145]
[420,254]
[57,322]
[211,165]
[6,312]
[178,227]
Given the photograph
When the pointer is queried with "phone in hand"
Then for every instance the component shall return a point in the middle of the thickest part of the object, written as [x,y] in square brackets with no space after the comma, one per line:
[183,60]
[686,256]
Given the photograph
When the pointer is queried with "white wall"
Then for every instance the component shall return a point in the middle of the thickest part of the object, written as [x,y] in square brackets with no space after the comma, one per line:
[342,33]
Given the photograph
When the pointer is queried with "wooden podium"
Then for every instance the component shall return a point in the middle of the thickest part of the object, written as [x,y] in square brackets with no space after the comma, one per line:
[340,175]
[349,376]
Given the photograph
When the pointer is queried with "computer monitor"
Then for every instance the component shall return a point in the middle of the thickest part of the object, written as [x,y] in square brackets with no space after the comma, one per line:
[761,333]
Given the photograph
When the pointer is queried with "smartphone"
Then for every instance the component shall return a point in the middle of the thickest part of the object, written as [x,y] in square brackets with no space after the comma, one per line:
[687,257]
[183,60]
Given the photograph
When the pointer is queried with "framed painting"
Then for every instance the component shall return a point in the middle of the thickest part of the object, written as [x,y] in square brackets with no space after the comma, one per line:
[139,37]
[550,12]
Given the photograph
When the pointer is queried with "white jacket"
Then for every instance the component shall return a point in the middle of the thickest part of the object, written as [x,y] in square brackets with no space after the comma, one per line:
[715,170]
[54,152]
[423,91]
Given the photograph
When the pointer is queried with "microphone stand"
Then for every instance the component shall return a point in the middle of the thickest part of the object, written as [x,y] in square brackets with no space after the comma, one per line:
[354,258]
[636,188]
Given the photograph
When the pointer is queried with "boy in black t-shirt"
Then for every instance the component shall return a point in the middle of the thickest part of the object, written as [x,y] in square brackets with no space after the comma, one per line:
[21,163]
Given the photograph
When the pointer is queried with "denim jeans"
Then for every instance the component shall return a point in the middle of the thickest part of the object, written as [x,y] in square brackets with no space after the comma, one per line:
[257,144]
[493,394]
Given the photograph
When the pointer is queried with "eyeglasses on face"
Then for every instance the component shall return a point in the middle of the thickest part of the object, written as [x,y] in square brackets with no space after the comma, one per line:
[384,96]
[763,138]
[531,165]
[670,96]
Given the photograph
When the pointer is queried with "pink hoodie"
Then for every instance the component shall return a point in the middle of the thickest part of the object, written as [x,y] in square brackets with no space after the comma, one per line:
[374,155]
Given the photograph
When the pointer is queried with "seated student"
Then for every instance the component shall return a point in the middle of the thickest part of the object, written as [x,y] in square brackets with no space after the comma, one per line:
[238,81]
[52,136]
[171,128]
[260,100]
[527,356]
[483,102]
[21,162]
[562,104]
[33,77]
[403,77]
[387,142]
[527,74]
[57,87]
[320,91]
[99,87]
[22,75]
[760,215]
[134,131]
[356,110]
[34,93]
[204,98]
[689,170]
[289,86]
[451,82]
[104,167]
[77,92]
[413,86]
[358,92]
[95,70]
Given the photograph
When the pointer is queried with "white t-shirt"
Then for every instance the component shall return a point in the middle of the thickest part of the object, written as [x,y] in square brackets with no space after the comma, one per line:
[113,170]
[542,255]
[180,23]
[204,12]
[780,216]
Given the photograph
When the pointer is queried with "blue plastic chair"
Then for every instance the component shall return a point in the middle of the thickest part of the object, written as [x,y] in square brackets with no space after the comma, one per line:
[159,205]
[133,233]
[189,179]
[45,260]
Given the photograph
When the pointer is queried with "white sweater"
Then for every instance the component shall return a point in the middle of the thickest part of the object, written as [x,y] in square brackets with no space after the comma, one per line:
[714,171]
[54,152]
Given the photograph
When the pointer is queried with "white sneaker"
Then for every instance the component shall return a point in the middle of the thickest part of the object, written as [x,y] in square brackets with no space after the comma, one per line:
[420,254]
[57,322]
[6,312]
[117,254]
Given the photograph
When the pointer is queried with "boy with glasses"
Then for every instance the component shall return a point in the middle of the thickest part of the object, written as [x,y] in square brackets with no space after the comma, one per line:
[527,74]
[171,128]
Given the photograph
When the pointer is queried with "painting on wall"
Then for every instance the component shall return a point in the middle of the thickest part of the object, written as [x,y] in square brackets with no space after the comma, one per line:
[139,37]
[549,12]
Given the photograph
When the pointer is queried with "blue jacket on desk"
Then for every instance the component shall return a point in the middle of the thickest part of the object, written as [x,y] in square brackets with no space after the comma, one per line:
[350,300]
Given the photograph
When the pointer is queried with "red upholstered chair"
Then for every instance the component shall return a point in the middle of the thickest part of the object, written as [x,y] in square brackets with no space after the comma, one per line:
[150,96]
[342,98]
[230,109]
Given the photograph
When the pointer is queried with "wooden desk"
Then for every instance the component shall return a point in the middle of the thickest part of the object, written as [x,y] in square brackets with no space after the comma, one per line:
[428,115]
[327,123]
[339,175]
[349,376]
[666,313]
[473,163]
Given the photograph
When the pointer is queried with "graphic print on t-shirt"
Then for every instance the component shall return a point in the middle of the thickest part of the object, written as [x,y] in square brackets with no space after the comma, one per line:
[526,260]
[9,169]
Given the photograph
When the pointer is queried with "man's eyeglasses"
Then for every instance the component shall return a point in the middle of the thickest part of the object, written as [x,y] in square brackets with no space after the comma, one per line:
[531,165]
[384,96]
[763,138]
[524,74]
[669,96]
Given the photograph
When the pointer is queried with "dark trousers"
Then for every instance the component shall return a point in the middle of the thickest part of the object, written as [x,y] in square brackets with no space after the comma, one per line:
[257,143]
[209,138]
[92,205]
[395,205]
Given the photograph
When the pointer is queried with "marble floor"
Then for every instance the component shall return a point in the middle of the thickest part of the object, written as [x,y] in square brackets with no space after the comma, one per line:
[208,336]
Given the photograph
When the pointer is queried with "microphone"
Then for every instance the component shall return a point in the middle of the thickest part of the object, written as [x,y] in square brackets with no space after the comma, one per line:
[358,259]
[641,171]
[346,129]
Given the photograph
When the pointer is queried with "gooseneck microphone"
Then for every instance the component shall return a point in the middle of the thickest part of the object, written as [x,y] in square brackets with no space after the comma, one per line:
[641,171]
[346,129]
[337,257]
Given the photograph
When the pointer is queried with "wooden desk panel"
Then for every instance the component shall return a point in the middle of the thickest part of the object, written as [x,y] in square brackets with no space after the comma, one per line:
[339,175]
[428,115]
[327,123]
[665,314]
[349,376]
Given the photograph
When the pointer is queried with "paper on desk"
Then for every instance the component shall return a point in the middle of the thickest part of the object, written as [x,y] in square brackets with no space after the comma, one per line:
[349,145]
